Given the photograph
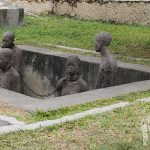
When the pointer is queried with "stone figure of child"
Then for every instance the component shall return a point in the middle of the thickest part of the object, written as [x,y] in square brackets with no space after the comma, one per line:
[9,77]
[73,82]
[8,42]
[108,64]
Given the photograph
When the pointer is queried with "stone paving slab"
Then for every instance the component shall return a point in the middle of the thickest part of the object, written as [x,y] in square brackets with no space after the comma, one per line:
[69,118]
[4,123]
[10,120]
[32,104]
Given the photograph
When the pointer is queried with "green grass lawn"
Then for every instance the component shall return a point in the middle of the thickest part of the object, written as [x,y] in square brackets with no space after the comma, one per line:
[128,40]
[116,130]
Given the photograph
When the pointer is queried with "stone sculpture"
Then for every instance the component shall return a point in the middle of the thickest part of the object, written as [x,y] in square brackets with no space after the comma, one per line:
[8,42]
[108,65]
[9,77]
[73,82]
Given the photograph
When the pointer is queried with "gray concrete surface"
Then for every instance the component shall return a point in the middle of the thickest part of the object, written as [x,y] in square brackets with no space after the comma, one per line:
[3,123]
[32,104]
[10,15]
[69,118]
[43,68]
[82,57]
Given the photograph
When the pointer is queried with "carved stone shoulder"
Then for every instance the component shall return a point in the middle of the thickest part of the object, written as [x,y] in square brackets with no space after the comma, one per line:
[60,83]
[83,84]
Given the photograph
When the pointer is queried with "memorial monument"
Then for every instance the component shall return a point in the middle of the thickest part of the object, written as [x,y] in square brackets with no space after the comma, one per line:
[108,64]
[16,62]
[73,82]
[9,77]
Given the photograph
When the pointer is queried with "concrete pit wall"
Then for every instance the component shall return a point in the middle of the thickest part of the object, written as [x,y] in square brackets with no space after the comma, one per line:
[120,11]
[43,68]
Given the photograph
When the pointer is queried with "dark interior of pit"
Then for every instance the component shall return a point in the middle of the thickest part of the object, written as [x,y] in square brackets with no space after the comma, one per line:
[42,71]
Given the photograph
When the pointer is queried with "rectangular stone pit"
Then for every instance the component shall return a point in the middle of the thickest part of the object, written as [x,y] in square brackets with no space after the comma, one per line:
[42,69]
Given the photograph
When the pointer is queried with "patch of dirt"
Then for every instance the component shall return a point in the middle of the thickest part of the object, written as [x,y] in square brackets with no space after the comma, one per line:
[6,108]
[74,138]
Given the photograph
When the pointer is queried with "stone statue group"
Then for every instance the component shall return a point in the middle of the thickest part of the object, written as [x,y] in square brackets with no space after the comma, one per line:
[11,77]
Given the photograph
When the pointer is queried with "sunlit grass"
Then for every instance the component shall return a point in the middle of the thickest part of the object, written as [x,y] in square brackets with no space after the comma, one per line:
[115,130]
[128,40]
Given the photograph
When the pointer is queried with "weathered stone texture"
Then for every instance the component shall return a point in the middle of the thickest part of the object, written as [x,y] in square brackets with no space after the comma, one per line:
[43,68]
[11,17]
[116,11]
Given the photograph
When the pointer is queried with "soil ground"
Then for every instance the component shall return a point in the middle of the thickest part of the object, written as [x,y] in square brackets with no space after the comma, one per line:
[8,109]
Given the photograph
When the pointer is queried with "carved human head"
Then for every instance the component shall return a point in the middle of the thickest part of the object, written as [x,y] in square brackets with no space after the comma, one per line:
[8,39]
[5,58]
[102,39]
[73,65]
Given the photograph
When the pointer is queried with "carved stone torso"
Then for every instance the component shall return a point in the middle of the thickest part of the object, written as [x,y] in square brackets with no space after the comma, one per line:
[71,87]
[107,71]
[17,64]
[17,59]
[10,80]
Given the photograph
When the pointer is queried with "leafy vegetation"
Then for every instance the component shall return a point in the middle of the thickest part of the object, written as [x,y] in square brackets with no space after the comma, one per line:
[116,130]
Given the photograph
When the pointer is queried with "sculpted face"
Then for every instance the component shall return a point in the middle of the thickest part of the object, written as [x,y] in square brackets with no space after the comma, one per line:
[98,45]
[8,39]
[7,42]
[72,67]
[102,39]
